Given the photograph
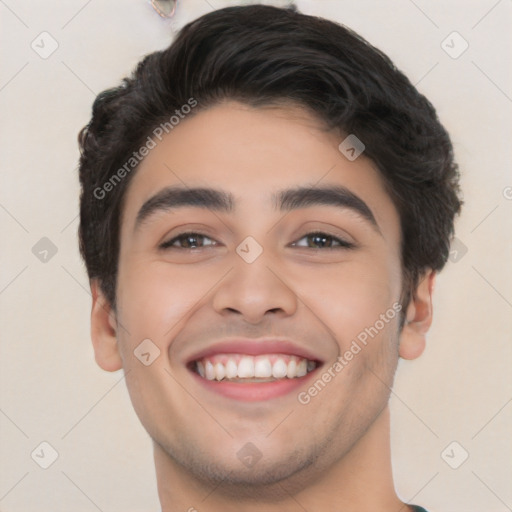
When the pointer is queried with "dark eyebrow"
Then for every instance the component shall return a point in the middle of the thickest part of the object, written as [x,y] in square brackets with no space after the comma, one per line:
[174,197]
[338,196]
[285,200]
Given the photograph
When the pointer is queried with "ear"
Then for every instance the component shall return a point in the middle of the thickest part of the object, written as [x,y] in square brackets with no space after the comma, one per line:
[418,318]
[103,331]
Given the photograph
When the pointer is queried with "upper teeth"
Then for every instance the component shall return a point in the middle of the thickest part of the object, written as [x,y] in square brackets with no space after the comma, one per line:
[232,366]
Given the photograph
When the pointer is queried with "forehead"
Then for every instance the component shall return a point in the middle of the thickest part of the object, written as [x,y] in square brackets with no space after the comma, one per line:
[252,153]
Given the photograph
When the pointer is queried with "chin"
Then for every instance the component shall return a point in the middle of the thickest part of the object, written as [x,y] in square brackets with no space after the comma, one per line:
[239,476]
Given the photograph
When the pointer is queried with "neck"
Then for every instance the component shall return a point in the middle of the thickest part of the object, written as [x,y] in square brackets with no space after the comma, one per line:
[359,480]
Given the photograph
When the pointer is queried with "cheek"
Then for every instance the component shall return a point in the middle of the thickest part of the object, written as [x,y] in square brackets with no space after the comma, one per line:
[154,302]
[155,298]
[350,298]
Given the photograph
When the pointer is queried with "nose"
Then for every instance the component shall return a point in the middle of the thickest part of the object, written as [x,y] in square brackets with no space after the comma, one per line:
[254,290]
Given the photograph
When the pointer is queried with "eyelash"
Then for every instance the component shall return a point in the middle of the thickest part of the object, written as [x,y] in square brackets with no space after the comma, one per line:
[343,244]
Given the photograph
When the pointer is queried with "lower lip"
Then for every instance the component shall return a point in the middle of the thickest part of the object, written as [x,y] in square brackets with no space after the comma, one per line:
[254,391]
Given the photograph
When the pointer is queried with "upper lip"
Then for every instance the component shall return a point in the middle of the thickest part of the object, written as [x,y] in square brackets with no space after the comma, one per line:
[254,347]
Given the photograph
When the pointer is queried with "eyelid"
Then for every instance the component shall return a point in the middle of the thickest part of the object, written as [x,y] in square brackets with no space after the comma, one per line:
[167,243]
[322,226]
[343,242]
[187,228]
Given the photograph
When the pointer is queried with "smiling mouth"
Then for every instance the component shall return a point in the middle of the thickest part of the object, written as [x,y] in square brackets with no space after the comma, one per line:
[243,368]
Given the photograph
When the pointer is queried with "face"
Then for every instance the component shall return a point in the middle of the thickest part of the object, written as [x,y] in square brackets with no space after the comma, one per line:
[270,302]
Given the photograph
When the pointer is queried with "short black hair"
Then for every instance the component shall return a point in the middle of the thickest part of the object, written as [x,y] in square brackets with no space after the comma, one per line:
[263,56]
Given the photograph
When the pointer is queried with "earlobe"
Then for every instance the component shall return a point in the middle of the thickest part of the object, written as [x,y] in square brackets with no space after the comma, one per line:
[103,331]
[418,318]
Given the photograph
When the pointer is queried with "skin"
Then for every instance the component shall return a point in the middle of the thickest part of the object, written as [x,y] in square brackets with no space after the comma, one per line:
[330,454]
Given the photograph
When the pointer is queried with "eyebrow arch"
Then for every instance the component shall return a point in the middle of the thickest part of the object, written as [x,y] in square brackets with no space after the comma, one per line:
[333,195]
[171,198]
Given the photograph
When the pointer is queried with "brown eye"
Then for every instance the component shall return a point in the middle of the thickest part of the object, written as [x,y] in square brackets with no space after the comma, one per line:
[187,241]
[320,240]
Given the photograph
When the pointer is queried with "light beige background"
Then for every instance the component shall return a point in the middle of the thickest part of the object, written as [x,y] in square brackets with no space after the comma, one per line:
[51,389]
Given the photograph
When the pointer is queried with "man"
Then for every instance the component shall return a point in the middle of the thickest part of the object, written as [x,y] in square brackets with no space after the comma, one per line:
[265,205]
